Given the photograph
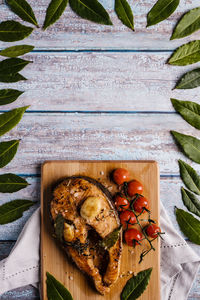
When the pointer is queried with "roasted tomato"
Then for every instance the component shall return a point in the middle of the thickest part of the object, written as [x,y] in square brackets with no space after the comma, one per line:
[152,230]
[134,187]
[140,203]
[132,236]
[121,203]
[120,176]
[127,219]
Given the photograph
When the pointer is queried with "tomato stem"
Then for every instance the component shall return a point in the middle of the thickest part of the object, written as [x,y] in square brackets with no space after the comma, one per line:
[143,229]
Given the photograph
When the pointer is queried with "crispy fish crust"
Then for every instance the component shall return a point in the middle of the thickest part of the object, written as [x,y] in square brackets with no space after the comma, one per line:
[82,232]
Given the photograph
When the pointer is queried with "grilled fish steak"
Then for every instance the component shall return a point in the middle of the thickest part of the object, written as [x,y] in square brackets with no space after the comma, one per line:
[88,217]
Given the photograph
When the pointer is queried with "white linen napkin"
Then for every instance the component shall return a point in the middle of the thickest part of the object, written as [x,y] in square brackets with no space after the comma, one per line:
[179,263]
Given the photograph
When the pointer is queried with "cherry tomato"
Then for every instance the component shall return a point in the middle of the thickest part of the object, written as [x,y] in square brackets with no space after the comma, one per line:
[140,203]
[134,187]
[121,203]
[132,236]
[152,230]
[127,218]
[120,175]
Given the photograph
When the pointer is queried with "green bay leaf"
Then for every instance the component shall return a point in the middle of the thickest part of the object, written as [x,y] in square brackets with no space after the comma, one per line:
[10,183]
[189,23]
[12,65]
[7,151]
[124,13]
[190,177]
[11,31]
[189,145]
[190,111]
[110,239]
[186,54]
[161,11]
[10,78]
[10,119]
[9,95]
[191,201]
[23,10]
[189,80]
[91,10]
[13,210]
[54,12]
[15,51]
[56,290]
[189,225]
[59,227]
[136,285]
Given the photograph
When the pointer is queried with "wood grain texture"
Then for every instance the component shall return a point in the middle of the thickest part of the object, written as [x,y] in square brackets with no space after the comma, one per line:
[23,293]
[93,81]
[53,258]
[71,32]
[101,81]
[97,136]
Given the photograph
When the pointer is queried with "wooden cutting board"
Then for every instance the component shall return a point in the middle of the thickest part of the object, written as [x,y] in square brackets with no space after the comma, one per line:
[55,261]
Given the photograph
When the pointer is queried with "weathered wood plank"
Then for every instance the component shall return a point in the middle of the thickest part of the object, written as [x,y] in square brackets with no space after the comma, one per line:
[97,136]
[170,196]
[5,248]
[195,293]
[101,81]
[23,293]
[71,32]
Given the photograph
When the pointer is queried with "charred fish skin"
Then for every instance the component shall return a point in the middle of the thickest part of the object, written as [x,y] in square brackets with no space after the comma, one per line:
[86,205]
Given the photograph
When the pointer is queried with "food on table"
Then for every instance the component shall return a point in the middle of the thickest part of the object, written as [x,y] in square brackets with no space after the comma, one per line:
[86,222]
[131,204]
[140,204]
[83,216]
[153,230]
[132,236]
[121,203]
[120,176]
[134,187]
[127,219]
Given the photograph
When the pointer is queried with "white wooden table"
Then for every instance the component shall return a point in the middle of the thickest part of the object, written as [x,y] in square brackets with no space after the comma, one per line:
[98,92]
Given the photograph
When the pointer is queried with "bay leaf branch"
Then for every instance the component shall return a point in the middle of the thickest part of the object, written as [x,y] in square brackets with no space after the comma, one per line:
[189,23]
[136,285]
[11,31]
[23,10]
[190,177]
[124,13]
[13,210]
[186,54]
[161,11]
[15,51]
[8,151]
[90,10]
[56,290]
[10,119]
[54,12]
[8,96]
[10,183]
[188,144]
[191,201]
[190,111]
[189,225]
[189,80]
